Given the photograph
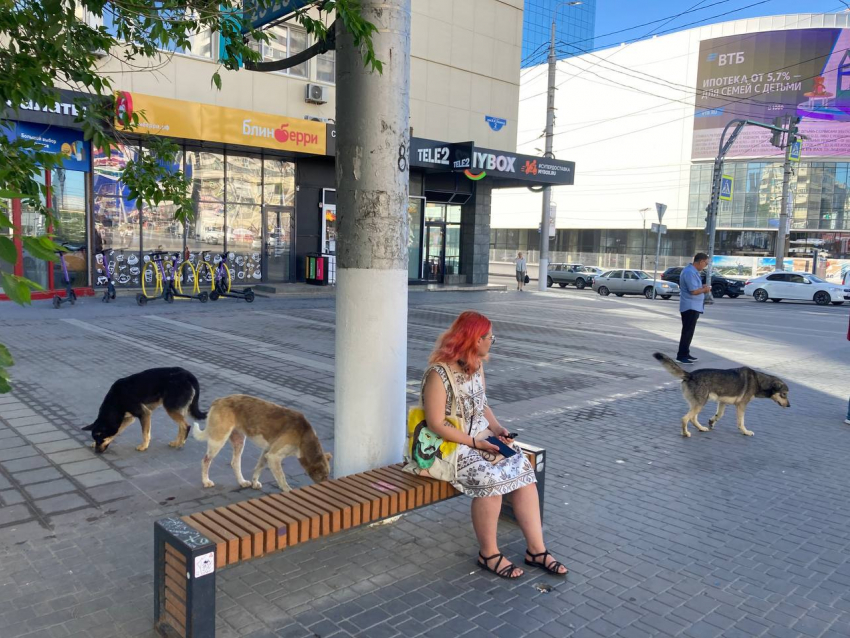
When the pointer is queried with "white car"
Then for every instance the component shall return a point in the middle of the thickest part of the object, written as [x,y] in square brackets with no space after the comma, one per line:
[799,286]
[633,282]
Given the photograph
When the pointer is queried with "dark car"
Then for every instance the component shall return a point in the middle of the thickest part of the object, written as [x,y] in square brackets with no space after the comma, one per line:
[720,285]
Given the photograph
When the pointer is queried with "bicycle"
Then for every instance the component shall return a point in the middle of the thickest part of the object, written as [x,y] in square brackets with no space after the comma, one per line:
[109,293]
[70,295]
[220,279]
[163,276]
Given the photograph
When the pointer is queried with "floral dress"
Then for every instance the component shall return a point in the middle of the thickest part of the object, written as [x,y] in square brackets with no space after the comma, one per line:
[477,476]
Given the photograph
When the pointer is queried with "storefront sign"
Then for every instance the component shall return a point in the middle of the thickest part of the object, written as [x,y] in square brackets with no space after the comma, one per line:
[270,11]
[193,121]
[75,151]
[440,155]
[62,114]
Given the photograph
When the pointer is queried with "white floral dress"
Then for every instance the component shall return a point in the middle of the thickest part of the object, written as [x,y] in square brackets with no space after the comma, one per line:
[475,475]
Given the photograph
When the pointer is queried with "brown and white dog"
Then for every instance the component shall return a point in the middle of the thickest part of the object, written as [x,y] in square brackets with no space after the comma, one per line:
[278,431]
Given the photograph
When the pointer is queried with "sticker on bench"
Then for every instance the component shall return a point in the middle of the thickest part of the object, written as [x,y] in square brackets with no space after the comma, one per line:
[281,531]
[204,564]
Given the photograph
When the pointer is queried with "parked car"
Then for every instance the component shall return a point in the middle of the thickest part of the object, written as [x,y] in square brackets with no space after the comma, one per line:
[633,282]
[801,286]
[720,285]
[577,275]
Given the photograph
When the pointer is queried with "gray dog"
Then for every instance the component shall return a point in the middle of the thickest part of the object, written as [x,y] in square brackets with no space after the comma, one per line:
[735,387]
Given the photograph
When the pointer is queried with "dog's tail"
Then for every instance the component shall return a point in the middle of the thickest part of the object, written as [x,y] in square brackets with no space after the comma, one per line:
[194,408]
[198,434]
[672,367]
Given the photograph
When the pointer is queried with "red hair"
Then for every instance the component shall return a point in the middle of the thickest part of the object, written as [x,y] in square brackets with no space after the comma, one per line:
[460,341]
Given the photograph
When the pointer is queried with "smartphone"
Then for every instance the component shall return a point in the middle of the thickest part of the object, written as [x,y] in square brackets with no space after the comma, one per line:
[505,450]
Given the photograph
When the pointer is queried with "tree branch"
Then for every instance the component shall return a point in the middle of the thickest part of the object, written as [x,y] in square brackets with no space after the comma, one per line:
[323,46]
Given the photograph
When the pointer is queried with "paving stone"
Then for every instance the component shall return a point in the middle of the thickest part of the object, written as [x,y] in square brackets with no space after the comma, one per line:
[45,437]
[61,503]
[28,463]
[39,428]
[19,422]
[51,488]
[37,476]
[11,497]
[99,478]
[11,453]
[84,467]
[14,514]
[69,456]
[64,444]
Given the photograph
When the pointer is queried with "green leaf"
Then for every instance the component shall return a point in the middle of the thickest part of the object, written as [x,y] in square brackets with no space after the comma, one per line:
[5,222]
[4,386]
[8,251]
[5,193]
[5,357]
[216,79]
[42,247]
[16,290]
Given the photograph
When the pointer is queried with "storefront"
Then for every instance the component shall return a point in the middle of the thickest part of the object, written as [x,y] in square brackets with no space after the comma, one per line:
[68,191]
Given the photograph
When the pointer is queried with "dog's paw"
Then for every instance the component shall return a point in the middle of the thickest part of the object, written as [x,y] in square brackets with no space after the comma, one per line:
[257,485]
[244,483]
[142,447]
[209,484]
[702,428]
[686,434]
[177,444]
[711,423]
[747,432]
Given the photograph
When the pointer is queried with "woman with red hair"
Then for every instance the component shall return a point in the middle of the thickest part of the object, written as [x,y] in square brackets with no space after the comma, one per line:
[462,349]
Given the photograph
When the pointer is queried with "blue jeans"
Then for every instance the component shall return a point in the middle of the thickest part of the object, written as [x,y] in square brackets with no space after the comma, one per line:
[848,410]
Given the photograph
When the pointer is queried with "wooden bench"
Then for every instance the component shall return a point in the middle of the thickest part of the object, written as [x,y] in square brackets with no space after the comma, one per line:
[189,550]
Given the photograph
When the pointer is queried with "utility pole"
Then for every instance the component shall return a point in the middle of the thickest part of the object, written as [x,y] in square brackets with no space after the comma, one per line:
[643,212]
[372,168]
[782,231]
[543,271]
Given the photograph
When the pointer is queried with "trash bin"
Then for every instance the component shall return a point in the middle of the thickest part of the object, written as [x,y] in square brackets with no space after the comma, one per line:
[316,269]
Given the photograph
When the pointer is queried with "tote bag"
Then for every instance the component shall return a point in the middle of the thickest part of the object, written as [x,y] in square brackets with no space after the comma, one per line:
[425,452]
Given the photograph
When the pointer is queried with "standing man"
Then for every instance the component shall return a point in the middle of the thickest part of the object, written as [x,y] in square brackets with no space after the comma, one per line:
[691,304]
[521,270]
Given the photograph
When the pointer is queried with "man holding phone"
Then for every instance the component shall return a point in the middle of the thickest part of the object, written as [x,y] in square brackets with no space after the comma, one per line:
[691,304]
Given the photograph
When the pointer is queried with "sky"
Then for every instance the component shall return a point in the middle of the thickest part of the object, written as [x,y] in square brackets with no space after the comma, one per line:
[614,15]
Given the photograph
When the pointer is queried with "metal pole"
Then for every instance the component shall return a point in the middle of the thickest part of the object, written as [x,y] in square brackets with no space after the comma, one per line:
[657,257]
[543,261]
[782,231]
[372,168]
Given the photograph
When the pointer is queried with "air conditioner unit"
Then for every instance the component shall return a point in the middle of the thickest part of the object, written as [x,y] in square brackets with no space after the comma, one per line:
[316,94]
[313,118]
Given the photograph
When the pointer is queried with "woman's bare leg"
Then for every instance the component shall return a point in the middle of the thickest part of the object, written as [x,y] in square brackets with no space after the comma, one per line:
[526,506]
[485,520]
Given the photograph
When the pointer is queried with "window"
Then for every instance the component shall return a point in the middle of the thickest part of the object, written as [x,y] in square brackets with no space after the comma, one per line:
[284,42]
[777,277]
[796,279]
[630,275]
[615,274]
[326,67]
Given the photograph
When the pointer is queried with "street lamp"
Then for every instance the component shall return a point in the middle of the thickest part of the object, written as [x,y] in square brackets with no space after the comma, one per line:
[643,212]
[550,126]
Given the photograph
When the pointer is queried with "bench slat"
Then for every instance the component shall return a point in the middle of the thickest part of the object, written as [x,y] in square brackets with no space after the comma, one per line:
[220,542]
[314,520]
[174,624]
[245,550]
[420,495]
[349,508]
[385,502]
[287,526]
[380,483]
[257,532]
[271,529]
[178,612]
[331,523]
[364,502]
[205,525]
[365,483]
[174,588]
[304,520]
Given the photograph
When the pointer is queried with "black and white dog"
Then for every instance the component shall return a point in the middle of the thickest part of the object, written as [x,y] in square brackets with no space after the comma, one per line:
[137,396]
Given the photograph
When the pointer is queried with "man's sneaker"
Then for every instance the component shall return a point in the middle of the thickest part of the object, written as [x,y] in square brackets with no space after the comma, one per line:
[685,362]
[692,358]
[847,421]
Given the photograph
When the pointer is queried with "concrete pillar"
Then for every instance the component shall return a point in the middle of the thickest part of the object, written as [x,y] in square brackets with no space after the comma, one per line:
[372,173]
[475,235]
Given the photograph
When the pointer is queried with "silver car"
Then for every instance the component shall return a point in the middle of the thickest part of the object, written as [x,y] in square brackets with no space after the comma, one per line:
[577,275]
[633,282]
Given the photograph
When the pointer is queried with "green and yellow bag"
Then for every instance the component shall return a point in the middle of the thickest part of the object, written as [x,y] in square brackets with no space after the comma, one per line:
[425,452]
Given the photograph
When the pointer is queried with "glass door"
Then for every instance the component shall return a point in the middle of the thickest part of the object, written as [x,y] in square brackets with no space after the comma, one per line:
[278,243]
[33,223]
[435,252]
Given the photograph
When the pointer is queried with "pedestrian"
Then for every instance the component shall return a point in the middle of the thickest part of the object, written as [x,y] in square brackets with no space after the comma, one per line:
[521,270]
[453,387]
[691,304]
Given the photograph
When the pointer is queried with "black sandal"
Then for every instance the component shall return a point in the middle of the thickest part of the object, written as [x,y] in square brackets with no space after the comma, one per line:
[552,567]
[505,572]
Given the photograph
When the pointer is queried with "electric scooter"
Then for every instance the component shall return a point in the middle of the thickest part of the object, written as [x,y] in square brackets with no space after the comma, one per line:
[70,295]
[109,293]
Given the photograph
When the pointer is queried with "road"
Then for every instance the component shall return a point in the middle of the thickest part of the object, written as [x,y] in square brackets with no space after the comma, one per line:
[717,535]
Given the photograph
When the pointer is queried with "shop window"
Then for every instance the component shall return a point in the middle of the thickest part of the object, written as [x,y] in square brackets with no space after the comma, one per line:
[453,214]
[278,183]
[435,212]
[206,232]
[244,242]
[326,67]
[6,212]
[284,42]
[68,201]
[160,231]
[244,179]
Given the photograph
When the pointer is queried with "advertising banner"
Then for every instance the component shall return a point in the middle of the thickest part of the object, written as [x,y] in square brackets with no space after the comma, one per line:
[759,76]
[76,153]
[192,121]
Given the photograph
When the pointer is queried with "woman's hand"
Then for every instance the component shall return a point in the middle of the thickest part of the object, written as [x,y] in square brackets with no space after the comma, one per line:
[484,446]
[504,434]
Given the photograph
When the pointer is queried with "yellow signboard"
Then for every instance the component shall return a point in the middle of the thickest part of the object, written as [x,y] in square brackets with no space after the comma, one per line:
[192,121]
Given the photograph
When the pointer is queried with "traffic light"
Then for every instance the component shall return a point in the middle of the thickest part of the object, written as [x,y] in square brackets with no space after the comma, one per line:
[792,130]
[776,136]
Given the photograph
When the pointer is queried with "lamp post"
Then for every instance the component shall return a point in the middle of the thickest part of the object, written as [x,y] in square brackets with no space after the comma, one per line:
[550,126]
[642,212]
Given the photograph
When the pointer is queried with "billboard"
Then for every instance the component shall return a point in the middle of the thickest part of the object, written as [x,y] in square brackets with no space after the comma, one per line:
[759,76]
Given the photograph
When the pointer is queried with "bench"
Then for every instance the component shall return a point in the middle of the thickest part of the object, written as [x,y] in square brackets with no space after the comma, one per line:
[189,550]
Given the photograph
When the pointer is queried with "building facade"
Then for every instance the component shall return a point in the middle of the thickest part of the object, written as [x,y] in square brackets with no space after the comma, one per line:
[575,27]
[644,121]
[260,156]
